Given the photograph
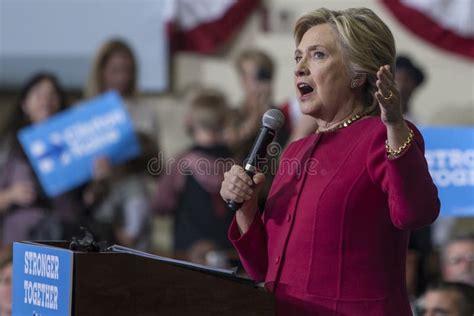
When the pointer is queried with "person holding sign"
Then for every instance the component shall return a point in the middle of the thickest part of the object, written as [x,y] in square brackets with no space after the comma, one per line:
[23,203]
[334,234]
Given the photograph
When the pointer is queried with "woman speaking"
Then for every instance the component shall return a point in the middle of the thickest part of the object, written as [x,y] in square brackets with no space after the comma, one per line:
[333,237]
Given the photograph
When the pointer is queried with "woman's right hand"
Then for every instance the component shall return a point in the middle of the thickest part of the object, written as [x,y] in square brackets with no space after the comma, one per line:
[239,187]
[22,193]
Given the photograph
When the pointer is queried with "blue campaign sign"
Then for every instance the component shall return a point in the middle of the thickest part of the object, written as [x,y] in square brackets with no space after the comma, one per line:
[42,280]
[62,149]
[450,156]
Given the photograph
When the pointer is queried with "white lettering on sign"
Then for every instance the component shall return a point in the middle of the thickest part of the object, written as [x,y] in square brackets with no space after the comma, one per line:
[40,294]
[41,265]
[451,167]
[87,137]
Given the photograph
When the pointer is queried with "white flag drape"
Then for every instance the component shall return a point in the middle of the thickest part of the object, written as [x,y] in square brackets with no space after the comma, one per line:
[204,26]
[447,24]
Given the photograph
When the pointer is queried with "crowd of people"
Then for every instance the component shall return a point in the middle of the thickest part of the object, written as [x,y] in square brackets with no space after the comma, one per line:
[120,201]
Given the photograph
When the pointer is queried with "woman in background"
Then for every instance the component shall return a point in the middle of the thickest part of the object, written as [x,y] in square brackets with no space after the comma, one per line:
[118,196]
[25,211]
[115,68]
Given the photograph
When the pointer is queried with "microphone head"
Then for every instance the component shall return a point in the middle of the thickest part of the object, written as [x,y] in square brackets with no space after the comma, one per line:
[273,119]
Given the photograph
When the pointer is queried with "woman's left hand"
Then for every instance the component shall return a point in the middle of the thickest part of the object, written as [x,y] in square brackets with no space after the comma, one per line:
[388,97]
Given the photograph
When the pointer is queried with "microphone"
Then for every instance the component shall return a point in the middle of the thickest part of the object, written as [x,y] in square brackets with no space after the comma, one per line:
[272,121]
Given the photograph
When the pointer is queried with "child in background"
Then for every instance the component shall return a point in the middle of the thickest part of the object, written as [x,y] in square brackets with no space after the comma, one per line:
[190,187]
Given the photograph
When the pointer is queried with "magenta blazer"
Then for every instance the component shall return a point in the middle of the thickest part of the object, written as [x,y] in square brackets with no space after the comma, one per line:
[334,234]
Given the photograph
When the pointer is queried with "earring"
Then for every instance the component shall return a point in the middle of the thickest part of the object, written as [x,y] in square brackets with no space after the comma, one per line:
[354,84]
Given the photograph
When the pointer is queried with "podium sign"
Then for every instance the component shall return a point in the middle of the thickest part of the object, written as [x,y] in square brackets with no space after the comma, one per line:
[450,155]
[42,280]
[49,279]
[63,148]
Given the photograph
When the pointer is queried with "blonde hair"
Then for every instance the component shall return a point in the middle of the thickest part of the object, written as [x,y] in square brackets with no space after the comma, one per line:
[366,41]
[259,57]
[95,84]
[208,110]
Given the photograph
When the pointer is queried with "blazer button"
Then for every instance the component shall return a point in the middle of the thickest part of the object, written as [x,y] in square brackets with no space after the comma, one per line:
[277,260]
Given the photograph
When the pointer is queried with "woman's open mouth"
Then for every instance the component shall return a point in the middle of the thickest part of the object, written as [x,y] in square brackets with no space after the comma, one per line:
[305,90]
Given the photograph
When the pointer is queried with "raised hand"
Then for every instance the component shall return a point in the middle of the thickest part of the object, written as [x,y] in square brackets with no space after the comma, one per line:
[388,97]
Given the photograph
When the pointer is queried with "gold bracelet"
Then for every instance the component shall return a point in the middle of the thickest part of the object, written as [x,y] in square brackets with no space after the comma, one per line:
[392,153]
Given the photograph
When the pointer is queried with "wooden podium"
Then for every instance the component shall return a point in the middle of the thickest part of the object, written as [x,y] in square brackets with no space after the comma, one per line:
[112,283]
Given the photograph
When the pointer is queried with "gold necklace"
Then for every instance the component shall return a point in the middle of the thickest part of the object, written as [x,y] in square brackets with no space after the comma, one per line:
[346,123]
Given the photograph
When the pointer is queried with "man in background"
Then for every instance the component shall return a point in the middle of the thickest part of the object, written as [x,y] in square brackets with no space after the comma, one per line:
[447,299]
[457,260]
